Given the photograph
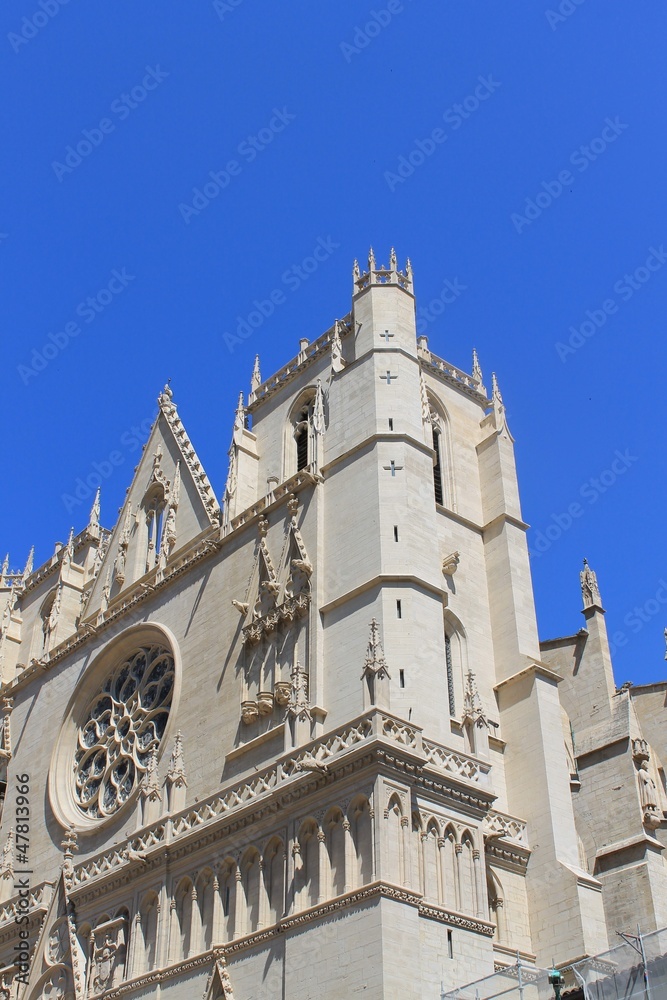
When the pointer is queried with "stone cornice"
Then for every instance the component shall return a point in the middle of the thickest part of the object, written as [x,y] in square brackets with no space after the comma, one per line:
[298,364]
[403,579]
[534,669]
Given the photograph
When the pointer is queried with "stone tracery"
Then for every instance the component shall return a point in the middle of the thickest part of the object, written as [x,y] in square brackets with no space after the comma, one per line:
[125,724]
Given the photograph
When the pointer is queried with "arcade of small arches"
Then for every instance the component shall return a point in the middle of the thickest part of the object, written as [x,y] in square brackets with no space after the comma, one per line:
[331,855]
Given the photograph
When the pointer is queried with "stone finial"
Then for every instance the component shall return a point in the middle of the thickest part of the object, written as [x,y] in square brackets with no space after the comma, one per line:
[27,570]
[476,367]
[589,587]
[150,783]
[356,272]
[5,567]
[371,260]
[495,391]
[239,421]
[70,846]
[375,662]
[337,362]
[318,410]
[166,395]
[176,768]
[408,270]
[392,260]
[94,518]
[426,406]
[472,703]
[8,854]
[298,705]
[255,378]
[665,635]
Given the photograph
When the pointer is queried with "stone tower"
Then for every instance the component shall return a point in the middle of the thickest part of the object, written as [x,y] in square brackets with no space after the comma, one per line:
[302,741]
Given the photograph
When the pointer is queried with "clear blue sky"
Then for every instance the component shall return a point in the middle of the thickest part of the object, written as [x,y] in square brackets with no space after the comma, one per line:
[535,199]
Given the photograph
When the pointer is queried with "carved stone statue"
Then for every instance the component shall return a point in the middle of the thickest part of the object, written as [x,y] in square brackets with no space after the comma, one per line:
[648,795]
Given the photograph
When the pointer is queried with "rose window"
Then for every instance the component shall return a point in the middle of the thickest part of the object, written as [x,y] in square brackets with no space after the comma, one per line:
[125,723]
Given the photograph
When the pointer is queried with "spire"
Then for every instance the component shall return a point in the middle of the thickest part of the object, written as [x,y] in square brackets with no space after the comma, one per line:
[150,783]
[476,368]
[472,703]
[375,675]
[176,769]
[29,564]
[590,591]
[495,391]
[239,419]
[68,554]
[255,378]
[375,662]
[94,518]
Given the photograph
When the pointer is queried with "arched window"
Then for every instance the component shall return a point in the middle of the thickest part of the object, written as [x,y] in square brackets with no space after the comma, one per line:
[274,879]
[455,663]
[153,507]
[304,424]
[443,470]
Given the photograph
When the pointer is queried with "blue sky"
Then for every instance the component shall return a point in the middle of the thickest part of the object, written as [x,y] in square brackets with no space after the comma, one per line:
[516,151]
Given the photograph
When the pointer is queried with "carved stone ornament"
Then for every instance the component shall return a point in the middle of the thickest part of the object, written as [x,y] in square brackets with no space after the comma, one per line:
[265,702]
[648,795]
[249,712]
[450,564]
[281,693]
[109,951]
[640,750]
[589,587]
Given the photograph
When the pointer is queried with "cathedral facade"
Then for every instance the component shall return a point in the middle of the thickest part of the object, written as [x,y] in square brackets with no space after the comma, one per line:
[304,740]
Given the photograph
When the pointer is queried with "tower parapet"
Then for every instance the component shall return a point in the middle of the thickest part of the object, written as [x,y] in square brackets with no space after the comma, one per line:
[383,275]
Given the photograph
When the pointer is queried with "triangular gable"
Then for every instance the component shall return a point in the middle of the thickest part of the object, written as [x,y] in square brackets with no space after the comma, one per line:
[263,587]
[295,568]
[57,963]
[219,985]
[169,503]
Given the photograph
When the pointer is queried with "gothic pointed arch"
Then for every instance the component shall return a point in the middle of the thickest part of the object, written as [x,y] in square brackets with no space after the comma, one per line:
[303,431]
[444,484]
[455,663]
